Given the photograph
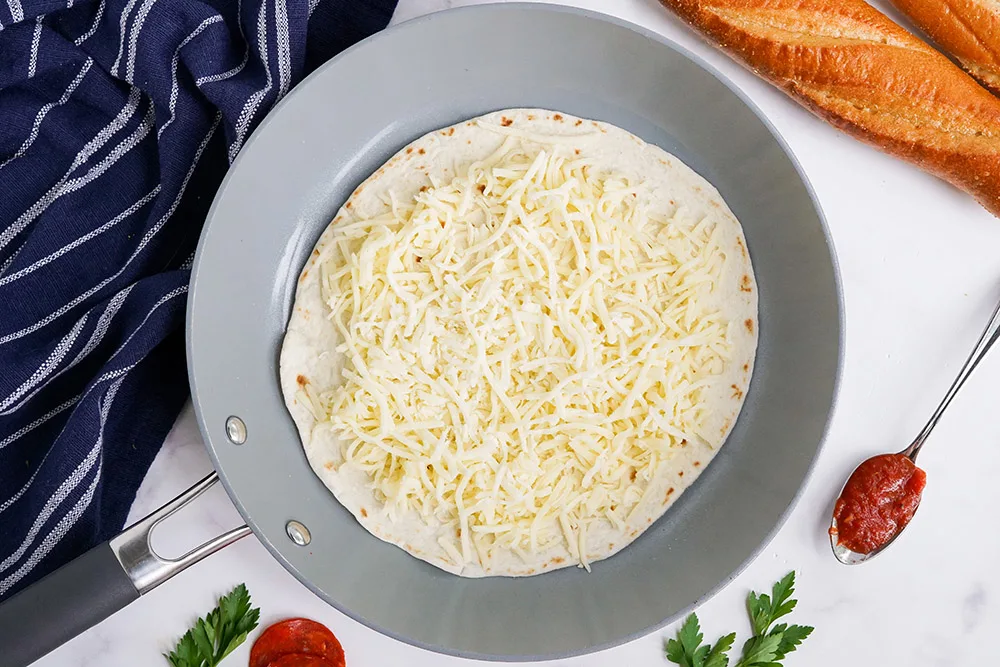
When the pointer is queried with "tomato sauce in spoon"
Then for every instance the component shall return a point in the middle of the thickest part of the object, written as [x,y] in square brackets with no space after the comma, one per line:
[877,502]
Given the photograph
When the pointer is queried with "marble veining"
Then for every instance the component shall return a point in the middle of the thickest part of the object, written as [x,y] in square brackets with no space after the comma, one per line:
[920,272]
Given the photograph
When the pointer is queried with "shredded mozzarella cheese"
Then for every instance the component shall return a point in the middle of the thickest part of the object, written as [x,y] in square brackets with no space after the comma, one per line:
[524,346]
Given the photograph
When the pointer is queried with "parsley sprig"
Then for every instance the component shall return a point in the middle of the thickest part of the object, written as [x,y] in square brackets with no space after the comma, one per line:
[217,635]
[770,642]
[688,651]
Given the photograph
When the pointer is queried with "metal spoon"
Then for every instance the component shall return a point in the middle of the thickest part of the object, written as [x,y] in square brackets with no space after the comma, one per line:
[989,337]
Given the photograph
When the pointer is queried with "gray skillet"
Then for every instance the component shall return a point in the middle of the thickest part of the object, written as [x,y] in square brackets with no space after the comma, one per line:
[300,165]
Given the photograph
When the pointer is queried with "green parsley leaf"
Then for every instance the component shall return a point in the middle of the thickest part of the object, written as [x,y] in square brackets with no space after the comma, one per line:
[764,610]
[681,650]
[218,634]
[791,637]
[718,657]
[760,650]
[781,596]
[767,647]
[688,651]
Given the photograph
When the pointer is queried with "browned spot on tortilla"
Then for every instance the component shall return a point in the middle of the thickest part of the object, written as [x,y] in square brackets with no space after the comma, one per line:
[558,117]
[576,150]
[662,161]
[545,564]
[737,392]
[696,464]
[594,123]
[631,475]
[304,275]
[531,116]
[746,368]
[743,250]
[746,284]
[316,251]
[409,150]
[364,512]
[671,202]
[506,122]
[348,205]
[419,259]
[611,545]
[714,204]
[749,325]
[481,187]
[421,151]
[442,224]
[680,473]
[578,123]
[329,466]
[469,124]
[558,559]
[302,380]
[423,188]
[468,141]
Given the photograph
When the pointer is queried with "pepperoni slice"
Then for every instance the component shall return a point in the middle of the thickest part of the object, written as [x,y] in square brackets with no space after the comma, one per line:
[299,637]
[300,660]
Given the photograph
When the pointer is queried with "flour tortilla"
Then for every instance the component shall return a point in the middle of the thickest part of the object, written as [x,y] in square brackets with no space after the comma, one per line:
[308,356]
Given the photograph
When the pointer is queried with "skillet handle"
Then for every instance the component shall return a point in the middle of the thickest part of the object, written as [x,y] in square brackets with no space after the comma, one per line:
[87,590]
[63,604]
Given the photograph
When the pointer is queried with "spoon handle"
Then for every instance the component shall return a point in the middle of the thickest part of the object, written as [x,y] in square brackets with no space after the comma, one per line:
[986,341]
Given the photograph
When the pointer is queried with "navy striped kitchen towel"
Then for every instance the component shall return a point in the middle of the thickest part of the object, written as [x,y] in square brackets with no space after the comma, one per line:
[118,120]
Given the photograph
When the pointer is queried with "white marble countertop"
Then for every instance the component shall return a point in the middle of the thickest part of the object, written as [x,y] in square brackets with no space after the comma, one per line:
[921,273]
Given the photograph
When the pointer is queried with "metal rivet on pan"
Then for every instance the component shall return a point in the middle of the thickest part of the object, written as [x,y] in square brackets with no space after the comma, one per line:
[298,533]
[236,430]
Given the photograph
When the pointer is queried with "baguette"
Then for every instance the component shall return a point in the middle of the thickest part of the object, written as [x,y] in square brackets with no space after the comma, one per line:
[967,29]
[855,68]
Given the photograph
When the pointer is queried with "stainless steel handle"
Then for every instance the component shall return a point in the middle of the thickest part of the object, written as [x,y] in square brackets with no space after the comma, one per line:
[90,588]
[990,336]
[147,569]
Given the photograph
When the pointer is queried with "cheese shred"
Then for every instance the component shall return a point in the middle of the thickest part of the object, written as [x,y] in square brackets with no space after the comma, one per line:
[524,346]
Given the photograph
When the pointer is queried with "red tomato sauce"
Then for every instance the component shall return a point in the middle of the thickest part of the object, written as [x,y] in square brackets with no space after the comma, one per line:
[877,502]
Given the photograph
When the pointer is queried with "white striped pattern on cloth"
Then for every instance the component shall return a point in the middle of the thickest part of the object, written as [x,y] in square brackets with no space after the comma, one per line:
[46,368]
[67,487]
[83,239]
[85,154]
[36,40]
[98,225]
[173,68]
[46,108]
[250,108]
[103,323]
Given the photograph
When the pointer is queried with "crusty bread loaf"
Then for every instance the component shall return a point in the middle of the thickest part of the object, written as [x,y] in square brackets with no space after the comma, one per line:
[967,29]
[869,77]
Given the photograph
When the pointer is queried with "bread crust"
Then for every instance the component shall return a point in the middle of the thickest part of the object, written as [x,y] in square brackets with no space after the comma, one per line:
[967,29]
[855,68]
